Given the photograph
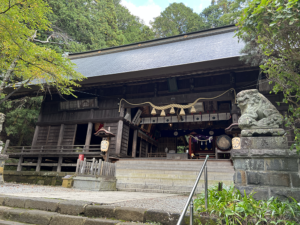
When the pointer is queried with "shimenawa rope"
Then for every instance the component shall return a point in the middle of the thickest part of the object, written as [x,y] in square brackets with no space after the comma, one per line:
[175,105]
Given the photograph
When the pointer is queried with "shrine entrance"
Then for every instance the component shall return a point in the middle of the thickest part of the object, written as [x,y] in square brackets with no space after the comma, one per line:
[189,136]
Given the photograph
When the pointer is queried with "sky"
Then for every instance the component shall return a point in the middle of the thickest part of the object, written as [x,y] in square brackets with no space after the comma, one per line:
[149,9]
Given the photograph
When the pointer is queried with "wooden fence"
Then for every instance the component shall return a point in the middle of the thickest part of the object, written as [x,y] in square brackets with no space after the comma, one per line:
[95,168]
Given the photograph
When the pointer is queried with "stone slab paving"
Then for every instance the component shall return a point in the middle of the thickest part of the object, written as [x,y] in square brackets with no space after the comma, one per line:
[158,201]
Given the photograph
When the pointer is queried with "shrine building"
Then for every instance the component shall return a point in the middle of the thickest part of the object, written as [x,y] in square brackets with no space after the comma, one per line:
[169,99]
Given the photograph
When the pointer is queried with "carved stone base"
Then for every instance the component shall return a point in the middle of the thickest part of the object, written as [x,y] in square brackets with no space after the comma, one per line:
[263,132]
[266,166]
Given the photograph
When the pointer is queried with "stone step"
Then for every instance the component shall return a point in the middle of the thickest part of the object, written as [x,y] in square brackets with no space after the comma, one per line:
[168,171]
[174,168]
[43,211]
[5,222]
[151,174]
[39,217]
[171,162]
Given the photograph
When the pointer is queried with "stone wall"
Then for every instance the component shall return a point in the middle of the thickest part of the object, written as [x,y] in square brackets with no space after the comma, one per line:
[32,177]
[266,166]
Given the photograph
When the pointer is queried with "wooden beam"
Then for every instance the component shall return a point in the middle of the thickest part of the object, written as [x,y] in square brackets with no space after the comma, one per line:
[59,164]
[88,136]
[134,143]
[38,165]
[35,136]
[119,137]
[61,134]
[19,168]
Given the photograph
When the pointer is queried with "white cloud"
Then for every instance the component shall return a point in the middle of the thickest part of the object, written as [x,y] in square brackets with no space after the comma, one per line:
[200,7]
[146,12]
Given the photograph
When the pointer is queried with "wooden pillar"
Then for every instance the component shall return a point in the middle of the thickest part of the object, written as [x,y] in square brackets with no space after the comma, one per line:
[141,142]
[38,166]
[147,148]
[134,143]
[119,137]
[107,153]
[151,148]
[19,168]
[61,134]
[60,160]
[88,136]
[35,136]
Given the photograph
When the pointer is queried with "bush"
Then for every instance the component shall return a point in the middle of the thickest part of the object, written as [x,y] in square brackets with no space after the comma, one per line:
[230,207]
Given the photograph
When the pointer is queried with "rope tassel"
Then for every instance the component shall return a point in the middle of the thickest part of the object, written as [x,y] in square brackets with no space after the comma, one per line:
[172,111]
[163,113]
[153,112]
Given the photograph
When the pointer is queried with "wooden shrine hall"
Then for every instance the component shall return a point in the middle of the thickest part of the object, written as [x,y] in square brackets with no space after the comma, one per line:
[121,81]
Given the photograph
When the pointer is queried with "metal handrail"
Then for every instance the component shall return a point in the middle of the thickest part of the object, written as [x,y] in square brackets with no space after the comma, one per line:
[190,201]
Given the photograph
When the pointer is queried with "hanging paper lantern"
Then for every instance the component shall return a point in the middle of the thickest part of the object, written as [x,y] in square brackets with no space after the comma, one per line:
[172,111]
[153,112]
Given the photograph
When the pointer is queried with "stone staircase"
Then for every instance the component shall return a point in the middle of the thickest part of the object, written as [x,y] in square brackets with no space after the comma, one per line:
[169,176]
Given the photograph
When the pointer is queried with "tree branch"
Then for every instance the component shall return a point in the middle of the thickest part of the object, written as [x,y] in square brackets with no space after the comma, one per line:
[8,74]
[14,91]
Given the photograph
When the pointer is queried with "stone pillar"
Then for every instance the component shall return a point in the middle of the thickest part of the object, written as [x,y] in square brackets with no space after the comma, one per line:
[2,163]
[268,167]
[262,160]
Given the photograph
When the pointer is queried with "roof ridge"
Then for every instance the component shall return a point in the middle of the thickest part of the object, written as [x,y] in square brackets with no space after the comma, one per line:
[154,42]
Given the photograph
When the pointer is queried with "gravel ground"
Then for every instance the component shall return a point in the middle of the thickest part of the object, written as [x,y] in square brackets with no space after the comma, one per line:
[10,188]
[158,201]
[168,204]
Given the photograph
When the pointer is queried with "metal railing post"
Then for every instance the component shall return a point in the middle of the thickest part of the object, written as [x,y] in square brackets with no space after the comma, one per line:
[192,192]
[191,212]
[206,187]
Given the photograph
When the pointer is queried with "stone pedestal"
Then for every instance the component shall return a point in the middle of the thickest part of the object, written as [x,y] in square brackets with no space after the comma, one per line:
[2,163]
[95,183]
[266,166]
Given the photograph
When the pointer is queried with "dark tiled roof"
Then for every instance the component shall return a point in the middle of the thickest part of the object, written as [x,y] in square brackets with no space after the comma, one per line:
[170,53]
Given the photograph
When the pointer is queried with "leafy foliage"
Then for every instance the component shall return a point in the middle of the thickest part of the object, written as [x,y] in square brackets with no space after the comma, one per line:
[271,31]
[229,206]
[22,61]
[224,12]
[177,19]
[132,27]
[83,25]
[21,116]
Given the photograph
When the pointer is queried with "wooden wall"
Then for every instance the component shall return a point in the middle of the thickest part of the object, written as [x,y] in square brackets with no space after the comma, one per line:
[125,140]
[112,144]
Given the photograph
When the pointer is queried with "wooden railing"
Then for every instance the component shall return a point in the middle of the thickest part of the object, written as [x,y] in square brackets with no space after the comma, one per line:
[95,168]
[53,148]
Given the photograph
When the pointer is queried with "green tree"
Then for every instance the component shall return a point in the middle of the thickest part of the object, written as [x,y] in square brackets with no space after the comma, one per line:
[20,121]
[22,61]
[177,19]
[271,32]
[83,25]
[132,27]
[224,12]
